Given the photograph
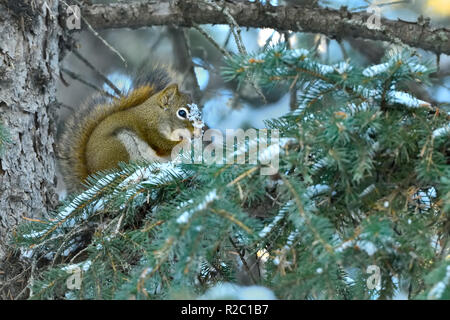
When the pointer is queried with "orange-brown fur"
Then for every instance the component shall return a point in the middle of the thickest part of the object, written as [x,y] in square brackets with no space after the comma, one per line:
[89,143]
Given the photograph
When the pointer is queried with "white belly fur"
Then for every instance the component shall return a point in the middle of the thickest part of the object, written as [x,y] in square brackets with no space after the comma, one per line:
[137,148]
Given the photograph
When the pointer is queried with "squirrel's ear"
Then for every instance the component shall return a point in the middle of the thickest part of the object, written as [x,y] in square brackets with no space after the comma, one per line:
[167,95]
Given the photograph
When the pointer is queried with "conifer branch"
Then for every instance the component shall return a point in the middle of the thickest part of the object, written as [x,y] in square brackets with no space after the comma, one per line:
[359,182]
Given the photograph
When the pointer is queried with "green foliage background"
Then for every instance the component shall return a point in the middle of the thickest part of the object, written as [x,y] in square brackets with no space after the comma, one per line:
[363,181]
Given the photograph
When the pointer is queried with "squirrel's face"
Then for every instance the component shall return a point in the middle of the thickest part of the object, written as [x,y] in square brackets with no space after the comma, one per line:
[175,123]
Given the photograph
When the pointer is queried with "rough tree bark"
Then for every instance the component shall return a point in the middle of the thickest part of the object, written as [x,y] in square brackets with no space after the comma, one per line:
[29,57]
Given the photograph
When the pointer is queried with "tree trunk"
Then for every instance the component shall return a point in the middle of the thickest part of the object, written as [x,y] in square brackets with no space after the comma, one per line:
[29,56]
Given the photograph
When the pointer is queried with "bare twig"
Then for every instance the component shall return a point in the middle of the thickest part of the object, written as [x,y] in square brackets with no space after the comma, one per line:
[95,33]
[30,281]
[98,73]
[293,87]
[234,26]
[244,262]
[119,223]
[183,61]
[211,39]
[77,77]
[236,30]
[106,43]
[190,69]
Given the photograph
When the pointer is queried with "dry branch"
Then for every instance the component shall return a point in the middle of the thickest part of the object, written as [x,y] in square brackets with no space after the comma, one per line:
[333,23]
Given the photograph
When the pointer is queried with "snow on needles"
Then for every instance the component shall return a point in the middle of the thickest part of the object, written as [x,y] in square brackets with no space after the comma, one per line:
[278,217]
[376,69]
[73,205]
[406,99]
[442,131]
[226,290]
[210,197]
[152,174]
[439,288]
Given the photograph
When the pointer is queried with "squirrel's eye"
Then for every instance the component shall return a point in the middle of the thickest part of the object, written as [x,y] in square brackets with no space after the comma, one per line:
[182,113]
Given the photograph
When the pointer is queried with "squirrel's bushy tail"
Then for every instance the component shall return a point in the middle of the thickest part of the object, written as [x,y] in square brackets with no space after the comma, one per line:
[148,80]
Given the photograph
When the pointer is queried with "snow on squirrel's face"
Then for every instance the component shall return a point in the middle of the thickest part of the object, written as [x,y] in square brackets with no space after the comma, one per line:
[182,119]
[190,115]
[195,117]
